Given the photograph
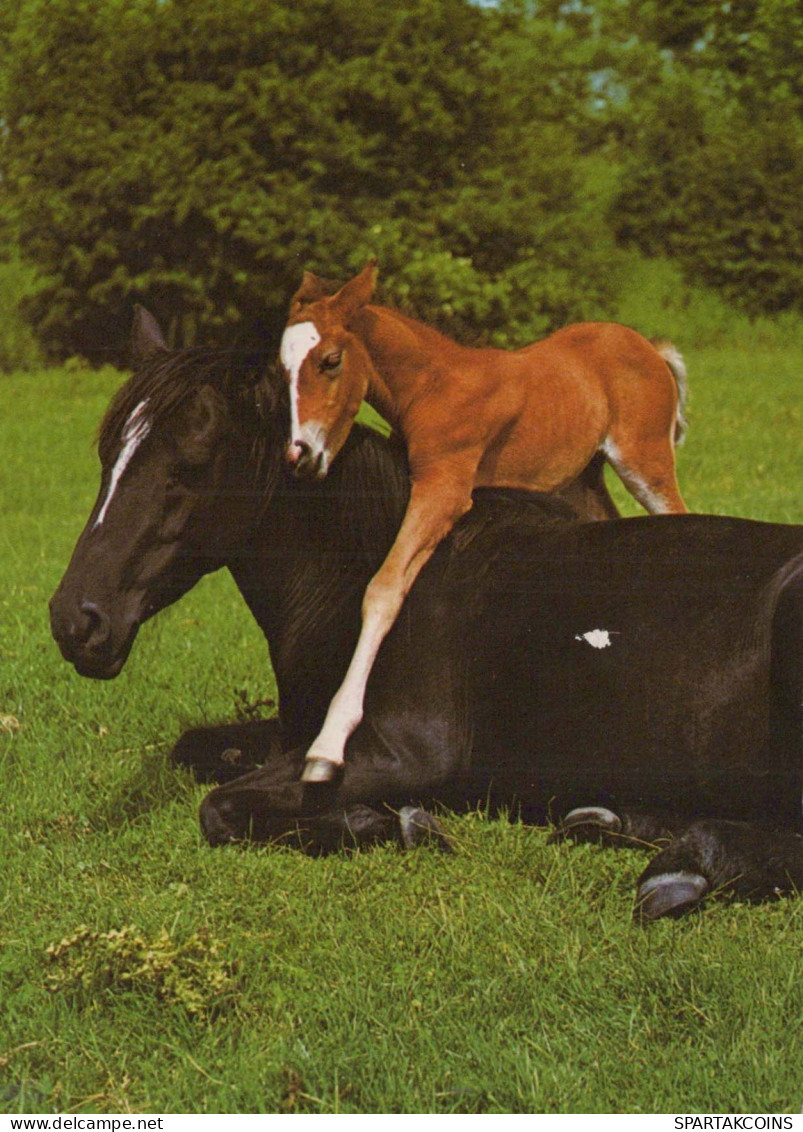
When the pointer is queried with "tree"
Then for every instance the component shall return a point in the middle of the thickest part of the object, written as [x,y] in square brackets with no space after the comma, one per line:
[716,148]
[196,157]
[742,210]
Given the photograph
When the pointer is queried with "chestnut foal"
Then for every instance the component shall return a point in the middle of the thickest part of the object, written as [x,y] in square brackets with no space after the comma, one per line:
[530,418]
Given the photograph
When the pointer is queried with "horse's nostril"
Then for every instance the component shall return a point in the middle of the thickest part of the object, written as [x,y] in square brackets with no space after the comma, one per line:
[95,628]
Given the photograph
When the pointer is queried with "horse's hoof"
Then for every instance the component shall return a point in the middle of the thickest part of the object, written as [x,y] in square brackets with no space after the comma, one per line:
[319,770]
[589,823]
[669,894]
[417,826]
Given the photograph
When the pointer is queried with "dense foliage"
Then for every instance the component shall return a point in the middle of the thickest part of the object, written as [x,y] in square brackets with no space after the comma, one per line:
[196,156]
[716,159]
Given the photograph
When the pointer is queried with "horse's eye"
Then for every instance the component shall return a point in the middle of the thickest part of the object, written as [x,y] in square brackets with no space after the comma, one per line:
[182,479]
[332,360]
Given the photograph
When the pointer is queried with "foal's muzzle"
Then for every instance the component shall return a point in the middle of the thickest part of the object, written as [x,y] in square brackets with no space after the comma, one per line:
[307,459]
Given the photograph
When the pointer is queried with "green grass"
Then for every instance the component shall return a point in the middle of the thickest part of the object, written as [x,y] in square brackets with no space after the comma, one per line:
[505,978]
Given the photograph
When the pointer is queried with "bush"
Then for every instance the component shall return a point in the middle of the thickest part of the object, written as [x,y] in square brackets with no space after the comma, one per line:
[743,214]
[19,349]
[196,158]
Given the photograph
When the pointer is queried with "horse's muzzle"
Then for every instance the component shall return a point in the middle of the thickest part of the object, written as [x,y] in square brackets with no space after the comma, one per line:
[86,638]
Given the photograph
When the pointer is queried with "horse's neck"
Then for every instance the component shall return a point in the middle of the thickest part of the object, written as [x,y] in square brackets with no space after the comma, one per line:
[401,350]
[303,567]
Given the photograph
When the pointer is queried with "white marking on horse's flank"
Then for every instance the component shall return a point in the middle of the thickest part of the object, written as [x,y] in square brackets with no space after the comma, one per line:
[135,430]
[297,341]
[597,638]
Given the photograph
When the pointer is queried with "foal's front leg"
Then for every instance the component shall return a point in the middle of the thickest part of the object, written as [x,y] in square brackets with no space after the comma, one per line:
[437,501]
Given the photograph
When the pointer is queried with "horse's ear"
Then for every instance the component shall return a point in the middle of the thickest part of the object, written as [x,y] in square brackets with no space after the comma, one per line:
[146,336]
[356,293]
[205,418]
[311,289]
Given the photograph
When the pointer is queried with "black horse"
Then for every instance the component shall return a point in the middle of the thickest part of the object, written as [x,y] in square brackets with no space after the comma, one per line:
[644,675]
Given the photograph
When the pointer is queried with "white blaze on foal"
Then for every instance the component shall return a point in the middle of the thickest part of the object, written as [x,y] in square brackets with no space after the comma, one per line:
[135,430]
[297,341]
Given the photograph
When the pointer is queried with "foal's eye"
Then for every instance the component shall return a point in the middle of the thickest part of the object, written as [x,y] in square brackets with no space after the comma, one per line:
[332,360]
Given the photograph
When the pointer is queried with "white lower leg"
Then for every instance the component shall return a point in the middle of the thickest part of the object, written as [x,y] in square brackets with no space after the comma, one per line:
[346,709]
[650,497]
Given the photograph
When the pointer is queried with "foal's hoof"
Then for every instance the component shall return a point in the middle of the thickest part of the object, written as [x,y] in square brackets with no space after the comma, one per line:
[319,770]
[589,823]
[669,894]
[417,827]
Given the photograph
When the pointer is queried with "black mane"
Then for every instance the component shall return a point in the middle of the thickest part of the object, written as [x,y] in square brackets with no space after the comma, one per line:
[168,380]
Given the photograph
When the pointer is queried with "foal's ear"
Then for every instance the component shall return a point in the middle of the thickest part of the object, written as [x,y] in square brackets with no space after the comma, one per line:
[205,417]
[312,288]
[146,336]
[356,293]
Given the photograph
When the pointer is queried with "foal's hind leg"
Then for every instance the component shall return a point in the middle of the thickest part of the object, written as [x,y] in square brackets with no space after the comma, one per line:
[648,472]
[752,862]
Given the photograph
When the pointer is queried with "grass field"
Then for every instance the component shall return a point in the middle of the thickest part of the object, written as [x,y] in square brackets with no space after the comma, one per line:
[142,971]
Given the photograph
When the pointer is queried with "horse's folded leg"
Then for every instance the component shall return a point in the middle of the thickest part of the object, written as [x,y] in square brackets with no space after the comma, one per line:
[419,827]
[627,829]
[717,856]
[357,827]
[669,894]
[216,824]
[227,751]
[228,817]
[589,823]
[254,807]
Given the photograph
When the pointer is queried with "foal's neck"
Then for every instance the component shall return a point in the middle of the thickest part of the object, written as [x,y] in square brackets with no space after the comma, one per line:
[401,350]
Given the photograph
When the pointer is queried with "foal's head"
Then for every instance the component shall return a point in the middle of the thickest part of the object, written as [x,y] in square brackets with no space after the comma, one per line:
[327,368]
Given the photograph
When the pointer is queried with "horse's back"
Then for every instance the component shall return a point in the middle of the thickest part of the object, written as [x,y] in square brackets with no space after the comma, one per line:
[630,659]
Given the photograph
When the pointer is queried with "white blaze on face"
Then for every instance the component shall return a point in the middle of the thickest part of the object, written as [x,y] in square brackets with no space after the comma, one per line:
[297,341]
[135,430]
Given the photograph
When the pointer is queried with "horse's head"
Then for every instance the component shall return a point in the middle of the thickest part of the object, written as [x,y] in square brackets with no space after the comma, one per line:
[167,446]
[327,368]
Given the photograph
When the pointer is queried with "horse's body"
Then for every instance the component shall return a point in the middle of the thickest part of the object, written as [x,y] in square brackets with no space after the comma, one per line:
[649,672]
[530,418]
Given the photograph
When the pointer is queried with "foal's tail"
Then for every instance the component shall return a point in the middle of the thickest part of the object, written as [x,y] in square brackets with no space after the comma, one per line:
[674,359]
